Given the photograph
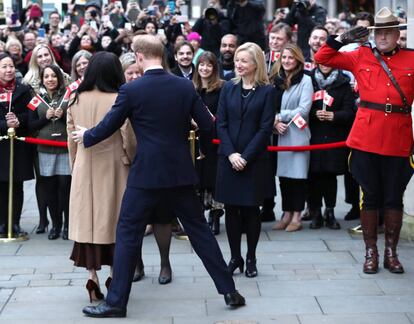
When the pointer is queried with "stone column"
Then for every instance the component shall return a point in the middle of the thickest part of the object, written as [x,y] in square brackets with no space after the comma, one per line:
[407,231]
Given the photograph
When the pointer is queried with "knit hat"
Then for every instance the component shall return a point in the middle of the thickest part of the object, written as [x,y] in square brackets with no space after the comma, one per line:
[35,11]
[194,36]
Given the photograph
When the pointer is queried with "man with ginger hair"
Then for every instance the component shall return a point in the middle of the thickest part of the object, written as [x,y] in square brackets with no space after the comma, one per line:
[162,171]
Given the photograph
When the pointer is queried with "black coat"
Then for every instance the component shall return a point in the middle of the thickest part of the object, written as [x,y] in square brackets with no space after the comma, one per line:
[334,160]
[306,21]
[247,22]
[23,153]
[211,34]
[246,132]
[207,167]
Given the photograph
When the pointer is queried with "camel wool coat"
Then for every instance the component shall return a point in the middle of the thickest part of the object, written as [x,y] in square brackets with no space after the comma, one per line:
[99,173]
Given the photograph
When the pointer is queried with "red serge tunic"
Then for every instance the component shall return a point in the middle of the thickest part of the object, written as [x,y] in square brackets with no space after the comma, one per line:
[376,131]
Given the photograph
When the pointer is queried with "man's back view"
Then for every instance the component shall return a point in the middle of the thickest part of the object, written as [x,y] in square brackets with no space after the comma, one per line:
[160,107]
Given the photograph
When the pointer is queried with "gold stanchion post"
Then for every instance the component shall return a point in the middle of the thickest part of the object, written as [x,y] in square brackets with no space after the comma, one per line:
[191,138]
[11,134]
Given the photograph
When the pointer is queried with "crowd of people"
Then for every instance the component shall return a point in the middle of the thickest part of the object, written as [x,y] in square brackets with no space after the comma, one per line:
[296,82]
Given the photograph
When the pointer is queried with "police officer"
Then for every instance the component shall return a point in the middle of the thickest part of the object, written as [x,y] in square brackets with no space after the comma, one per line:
[381,138]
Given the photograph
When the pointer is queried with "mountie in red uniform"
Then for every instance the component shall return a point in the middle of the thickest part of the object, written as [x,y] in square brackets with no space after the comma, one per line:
[387,132]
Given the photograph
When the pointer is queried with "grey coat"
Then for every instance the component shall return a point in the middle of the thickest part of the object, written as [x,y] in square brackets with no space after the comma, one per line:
[296,99]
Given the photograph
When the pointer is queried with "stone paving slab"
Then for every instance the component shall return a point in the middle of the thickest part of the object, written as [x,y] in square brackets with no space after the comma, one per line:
[266,306]
[235,319]
[320,288]
[367,304]
[393,318]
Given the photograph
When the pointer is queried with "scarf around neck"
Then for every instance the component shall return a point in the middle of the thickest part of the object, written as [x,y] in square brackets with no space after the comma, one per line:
[8,86]
[322,81]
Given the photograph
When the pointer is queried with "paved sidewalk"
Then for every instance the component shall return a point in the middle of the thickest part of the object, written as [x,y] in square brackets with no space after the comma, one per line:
[307,277]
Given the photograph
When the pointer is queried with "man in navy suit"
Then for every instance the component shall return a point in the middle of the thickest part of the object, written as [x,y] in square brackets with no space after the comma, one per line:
[160,107]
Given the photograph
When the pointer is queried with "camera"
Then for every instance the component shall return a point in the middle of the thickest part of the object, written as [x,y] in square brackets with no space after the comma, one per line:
[302,4]
[93,13]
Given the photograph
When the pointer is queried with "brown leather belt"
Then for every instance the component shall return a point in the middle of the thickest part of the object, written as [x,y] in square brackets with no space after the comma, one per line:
[387,108]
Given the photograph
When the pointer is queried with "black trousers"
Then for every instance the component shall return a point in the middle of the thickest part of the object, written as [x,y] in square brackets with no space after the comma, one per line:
[383,179]
[293,193]
[18,197]
[137,207]
[322,186]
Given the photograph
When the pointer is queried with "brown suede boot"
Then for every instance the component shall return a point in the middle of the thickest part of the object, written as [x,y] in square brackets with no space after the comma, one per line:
[369,223]
[392,224]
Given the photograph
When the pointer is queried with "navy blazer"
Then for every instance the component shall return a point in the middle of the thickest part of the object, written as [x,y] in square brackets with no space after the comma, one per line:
[245,132]
[160,107]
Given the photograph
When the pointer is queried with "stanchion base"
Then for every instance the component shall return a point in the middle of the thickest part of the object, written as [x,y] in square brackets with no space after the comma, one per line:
[355,230]
[181,235]
[20,238]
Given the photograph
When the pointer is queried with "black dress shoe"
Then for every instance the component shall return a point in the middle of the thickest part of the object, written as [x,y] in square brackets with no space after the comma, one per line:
[234,299]
[104,310]
[251,269]
[353,214]
[214,220]
[330,220]
[317,220]
[65,233]
[17,231]
[53,234]
[42,228]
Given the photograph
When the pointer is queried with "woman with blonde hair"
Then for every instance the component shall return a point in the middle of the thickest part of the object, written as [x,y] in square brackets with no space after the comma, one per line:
[244,123]
[42,56]
[294,92]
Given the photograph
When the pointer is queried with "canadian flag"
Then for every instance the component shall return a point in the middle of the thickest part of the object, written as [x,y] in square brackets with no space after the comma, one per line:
[274,56]
[318,95]
[74,85]
[34,103]
[327,99]
[299,121]
[309,66]
[6,97]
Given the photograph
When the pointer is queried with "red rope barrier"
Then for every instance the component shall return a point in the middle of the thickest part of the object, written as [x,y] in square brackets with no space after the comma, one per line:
[40,141]
[313,147]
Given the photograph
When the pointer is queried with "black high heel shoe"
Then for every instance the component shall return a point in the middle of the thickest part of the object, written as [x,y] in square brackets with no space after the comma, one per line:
[138,274]
[234,264]
[54,234]
[251,269]
[42,228]
[94,291]
[165,279]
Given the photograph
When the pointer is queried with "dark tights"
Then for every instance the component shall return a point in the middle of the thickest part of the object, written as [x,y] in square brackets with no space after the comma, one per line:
[162,234]
[53,193]
[239,218]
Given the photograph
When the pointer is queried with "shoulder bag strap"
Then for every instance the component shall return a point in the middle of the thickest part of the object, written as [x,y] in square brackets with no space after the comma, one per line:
[387,70]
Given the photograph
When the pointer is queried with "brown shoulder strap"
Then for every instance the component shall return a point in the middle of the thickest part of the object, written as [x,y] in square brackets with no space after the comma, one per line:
[388,71]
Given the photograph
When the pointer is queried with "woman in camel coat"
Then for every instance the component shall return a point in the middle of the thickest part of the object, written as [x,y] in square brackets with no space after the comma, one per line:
[99,174]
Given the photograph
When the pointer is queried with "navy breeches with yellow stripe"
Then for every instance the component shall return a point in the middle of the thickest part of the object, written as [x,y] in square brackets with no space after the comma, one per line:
[383,179]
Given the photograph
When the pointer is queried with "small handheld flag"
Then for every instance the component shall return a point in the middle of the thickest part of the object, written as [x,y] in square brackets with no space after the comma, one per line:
[34,103]
[6,97]
[299,121]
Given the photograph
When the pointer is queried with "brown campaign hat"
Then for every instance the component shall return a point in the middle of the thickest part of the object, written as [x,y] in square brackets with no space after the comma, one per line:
[385,18]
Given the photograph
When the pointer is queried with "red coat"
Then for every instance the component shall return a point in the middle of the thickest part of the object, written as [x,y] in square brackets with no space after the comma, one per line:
[373,130]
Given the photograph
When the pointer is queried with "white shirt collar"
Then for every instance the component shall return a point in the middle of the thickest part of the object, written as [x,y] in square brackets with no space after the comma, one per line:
[153,67]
